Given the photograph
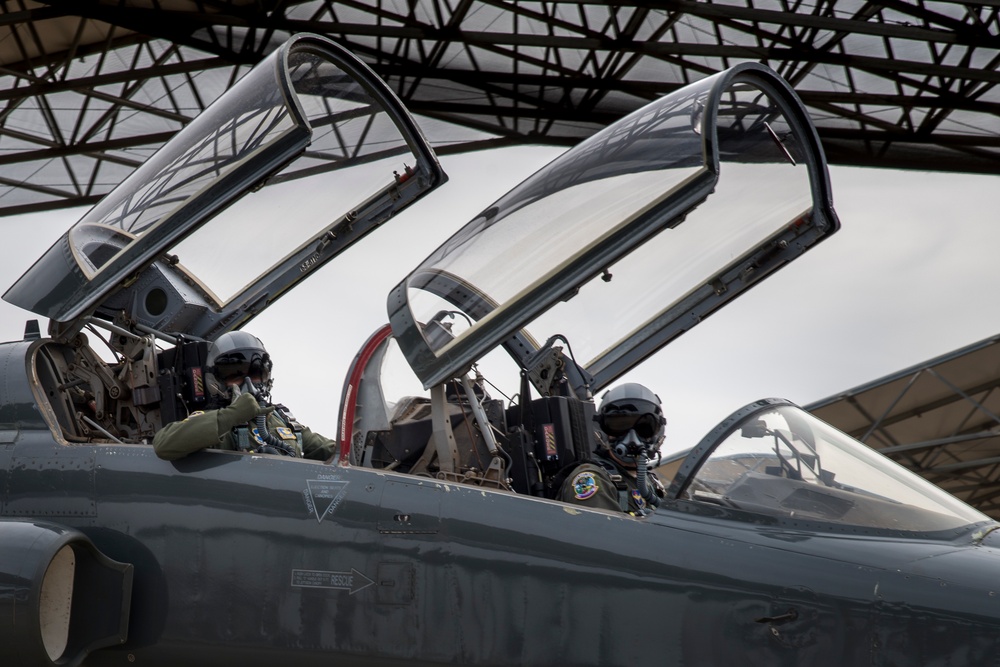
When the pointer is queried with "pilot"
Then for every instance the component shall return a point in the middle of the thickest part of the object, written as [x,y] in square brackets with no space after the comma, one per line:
[616,478]
[238,378]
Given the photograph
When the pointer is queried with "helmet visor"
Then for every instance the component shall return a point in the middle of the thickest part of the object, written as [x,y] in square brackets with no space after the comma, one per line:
[236,367]
[617,424]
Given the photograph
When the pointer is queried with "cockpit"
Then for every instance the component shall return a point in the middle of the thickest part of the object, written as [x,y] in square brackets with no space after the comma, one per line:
[769,463]
[211,230]
[592,264]
[585,269]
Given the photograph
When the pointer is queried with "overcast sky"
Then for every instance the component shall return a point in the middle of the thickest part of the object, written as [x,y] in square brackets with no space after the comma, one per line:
[911,275]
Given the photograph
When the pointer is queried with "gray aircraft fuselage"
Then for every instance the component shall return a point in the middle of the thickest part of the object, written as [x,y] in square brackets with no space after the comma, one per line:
[259,560]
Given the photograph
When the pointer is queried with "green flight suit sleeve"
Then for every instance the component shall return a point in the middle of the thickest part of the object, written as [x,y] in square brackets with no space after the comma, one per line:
[178,439]
[590,485]
[315,446]
[211,428]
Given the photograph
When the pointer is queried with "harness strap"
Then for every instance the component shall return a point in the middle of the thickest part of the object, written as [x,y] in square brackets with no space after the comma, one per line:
[285,415]
[242,434]
[619,482]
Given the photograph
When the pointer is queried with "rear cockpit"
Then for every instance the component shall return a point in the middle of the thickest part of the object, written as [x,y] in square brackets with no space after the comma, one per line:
[88,400]
[211,230]
[121,392]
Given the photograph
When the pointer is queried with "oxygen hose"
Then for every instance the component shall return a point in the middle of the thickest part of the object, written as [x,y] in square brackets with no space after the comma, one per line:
[261,420]
[640,478]
[266,436]
[631,445]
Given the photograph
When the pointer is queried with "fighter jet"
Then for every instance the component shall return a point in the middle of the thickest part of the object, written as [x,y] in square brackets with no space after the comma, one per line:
[435,535]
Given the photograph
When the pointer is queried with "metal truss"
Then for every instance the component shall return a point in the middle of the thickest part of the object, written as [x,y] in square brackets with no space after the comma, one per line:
[90,88]
[940,419]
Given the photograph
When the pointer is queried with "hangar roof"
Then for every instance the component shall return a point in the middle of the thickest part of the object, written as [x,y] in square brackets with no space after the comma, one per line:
[90,88]
[940,418]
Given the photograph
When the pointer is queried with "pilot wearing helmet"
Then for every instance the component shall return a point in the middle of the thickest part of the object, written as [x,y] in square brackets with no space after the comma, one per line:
[616,478]
[238,378]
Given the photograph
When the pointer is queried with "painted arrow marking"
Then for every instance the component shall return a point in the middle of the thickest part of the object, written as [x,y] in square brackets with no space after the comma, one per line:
[352,581]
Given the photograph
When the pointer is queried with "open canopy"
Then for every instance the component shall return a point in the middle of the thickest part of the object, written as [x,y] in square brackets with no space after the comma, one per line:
[145,255]
[678,208]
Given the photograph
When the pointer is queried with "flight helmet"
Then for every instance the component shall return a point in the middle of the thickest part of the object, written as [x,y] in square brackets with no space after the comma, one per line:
[631,417]
[236,355]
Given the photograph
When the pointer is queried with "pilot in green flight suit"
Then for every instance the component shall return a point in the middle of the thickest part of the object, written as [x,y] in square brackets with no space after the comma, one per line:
[632,421]
[233,358]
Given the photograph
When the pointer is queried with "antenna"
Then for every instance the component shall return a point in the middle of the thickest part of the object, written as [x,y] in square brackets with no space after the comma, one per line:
[31,330]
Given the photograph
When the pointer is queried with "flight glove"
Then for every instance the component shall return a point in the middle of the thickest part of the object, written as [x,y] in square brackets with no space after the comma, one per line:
[243,409]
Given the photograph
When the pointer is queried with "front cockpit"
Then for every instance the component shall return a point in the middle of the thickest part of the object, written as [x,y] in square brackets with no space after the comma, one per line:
[469,429]
[770,463]
[773,461]
[586,269]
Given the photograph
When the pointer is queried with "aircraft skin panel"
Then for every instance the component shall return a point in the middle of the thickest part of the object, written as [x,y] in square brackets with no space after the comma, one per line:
[20,411]
[246,571]
[260,557]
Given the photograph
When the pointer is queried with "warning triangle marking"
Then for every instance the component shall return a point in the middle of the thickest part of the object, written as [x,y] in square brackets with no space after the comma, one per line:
[325,496]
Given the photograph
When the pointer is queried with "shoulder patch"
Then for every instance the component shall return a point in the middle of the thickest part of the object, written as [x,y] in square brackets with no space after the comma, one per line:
[196,413]
[584,485]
